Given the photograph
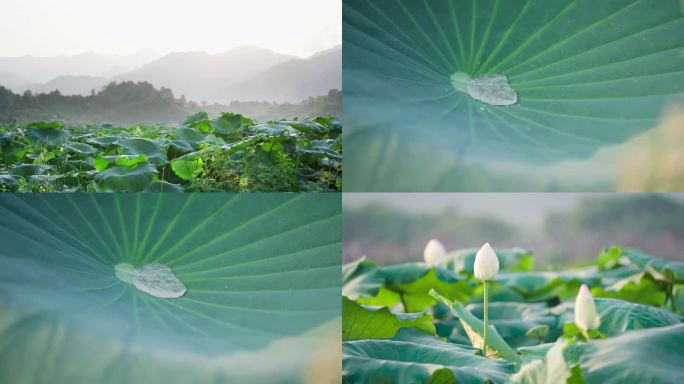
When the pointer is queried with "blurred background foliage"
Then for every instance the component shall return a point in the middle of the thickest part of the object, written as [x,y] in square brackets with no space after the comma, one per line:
[562,229]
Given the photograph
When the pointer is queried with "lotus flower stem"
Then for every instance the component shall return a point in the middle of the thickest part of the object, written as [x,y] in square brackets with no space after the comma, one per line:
[673,303]
[670,295]
[485,268]
[486,318]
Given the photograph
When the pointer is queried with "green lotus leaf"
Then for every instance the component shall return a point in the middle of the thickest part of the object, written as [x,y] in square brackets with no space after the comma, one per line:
[11,181]
[154,151]
[275,129]
[413,282]
[194,119]
[262,273]
[513,259]
[5,138]
[541,286]
[26,170]
[645,356]
[619,316]
[361,278]
[103,162]
[187,167]
[360,322]
[551,363]
[308,127]
[515,321]
[126,179]
[414,357]
[385,298]
[616,275]
[189,136]
[47,133]
[587,75]
[673,270]
[534,352]
[108,139]
[163,186]
[639,287]
[474,328]
[181,146]
[80,148]
[230,123]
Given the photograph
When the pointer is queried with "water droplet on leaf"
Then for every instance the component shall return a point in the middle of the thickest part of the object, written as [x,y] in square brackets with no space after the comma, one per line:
[158,280]
[490,89]
[154,279]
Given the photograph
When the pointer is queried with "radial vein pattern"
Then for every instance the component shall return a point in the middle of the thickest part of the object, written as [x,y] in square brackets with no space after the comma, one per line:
[587,74]
[257,267]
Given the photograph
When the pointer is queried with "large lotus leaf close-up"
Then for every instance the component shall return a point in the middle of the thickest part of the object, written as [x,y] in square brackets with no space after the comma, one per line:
[490,95]
[172,288]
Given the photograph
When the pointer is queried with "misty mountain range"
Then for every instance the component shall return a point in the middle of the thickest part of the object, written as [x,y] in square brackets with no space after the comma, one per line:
[245,73]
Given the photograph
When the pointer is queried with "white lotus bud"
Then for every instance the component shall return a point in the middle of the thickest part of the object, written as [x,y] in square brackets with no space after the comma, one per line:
[486,263]
[434,252]
[586,317]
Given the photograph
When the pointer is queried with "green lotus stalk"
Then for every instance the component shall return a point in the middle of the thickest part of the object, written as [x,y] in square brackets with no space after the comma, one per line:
[486,318]
[485,268]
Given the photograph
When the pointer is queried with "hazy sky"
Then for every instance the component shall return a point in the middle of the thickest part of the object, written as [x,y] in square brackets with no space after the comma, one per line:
[68,27]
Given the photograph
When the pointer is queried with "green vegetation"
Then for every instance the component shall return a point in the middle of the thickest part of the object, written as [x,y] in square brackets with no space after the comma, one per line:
[228,153]
[128,103]
[422,322]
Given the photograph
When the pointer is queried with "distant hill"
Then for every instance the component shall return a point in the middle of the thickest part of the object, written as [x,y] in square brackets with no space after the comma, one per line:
[71,85]
[12,81]
[197,75]
[326,105]
[293,80]
[43,69]
[246,73]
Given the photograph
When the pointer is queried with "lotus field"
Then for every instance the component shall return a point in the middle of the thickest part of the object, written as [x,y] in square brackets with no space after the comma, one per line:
[615,321]
[228,153]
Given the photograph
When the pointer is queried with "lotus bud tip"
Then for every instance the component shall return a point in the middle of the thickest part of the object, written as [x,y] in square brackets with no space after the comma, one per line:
[434,252]
[486,263]
[586,316]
